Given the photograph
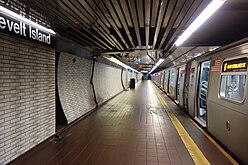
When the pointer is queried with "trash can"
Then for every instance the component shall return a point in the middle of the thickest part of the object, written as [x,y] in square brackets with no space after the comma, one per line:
[132,83]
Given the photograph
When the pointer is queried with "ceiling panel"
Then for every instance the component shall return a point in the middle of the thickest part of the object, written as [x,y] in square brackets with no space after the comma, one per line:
[132,25]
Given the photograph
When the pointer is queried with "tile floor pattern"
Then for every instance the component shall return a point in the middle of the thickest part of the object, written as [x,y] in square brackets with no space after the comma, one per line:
[131,129]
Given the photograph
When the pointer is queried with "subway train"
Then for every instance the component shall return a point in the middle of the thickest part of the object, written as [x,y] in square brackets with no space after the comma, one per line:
[212,89]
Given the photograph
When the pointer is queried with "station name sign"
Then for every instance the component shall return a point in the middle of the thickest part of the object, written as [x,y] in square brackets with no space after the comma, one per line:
[24,30]
[237,65]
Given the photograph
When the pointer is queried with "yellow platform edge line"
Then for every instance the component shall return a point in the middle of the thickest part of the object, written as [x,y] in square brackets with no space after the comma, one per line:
[194,151]
[209,138]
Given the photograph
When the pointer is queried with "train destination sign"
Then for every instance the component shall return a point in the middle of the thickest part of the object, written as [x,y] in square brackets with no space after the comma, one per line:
[24,30]
[237,65]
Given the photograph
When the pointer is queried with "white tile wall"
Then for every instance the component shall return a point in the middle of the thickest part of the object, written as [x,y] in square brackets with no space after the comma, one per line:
[107,81]
[74,86]
[27,96]
[27,92]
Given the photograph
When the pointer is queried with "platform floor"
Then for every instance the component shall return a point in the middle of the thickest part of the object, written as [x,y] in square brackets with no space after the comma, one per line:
[131,129]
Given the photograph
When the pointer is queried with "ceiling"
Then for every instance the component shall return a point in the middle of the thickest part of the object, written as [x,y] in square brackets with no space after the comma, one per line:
[139,31]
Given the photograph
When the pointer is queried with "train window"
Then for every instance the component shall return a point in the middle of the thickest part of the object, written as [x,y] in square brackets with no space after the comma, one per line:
[233,87]
[233,79]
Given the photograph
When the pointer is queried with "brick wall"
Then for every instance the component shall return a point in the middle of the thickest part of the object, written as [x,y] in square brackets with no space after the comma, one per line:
[75,90]
[107,81]
[74,86]
[27,92]
[27,96]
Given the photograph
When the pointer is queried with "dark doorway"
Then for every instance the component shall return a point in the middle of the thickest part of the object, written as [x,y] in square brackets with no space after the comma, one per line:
[168,82]
[178,85]
[61,121]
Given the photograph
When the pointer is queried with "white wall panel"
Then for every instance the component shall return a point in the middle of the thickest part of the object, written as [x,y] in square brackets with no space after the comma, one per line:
[74,86]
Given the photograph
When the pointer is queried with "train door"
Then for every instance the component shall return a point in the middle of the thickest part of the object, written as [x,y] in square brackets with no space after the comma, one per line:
[158,78]
[186,87]
[181,86]
[168,82]
[178,85]
[192,88]
[164,73]
[165,80]
[202,90]
[161,80]
[172,84]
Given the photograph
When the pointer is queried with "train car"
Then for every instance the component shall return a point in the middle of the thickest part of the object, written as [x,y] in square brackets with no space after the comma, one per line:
[171,82]
[212,89]
[227,103]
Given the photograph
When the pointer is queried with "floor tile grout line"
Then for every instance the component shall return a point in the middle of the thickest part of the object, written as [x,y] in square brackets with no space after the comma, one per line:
[216,144]
[196,154]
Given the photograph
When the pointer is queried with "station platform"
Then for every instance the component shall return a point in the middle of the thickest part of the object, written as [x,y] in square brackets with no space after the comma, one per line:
[137,127]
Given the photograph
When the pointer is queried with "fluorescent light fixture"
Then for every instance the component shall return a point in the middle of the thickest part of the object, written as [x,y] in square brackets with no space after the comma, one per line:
[114,60]
[157,64]
[213,48]
[16,16]
[206,13]
[197,55]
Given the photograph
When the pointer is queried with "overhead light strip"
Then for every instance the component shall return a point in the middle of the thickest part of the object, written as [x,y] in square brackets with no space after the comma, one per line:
[17,16]
[114,60]
[206,13]
[157,64]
